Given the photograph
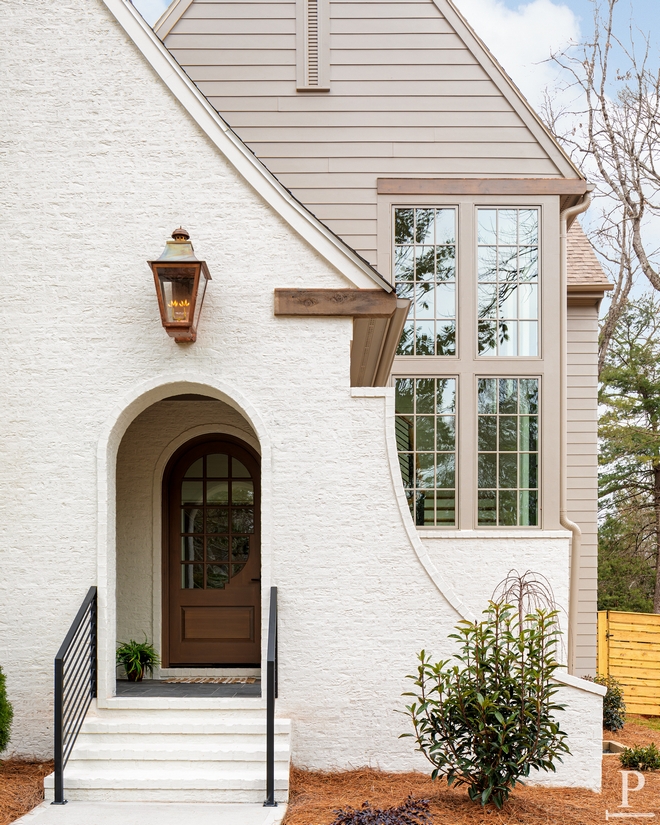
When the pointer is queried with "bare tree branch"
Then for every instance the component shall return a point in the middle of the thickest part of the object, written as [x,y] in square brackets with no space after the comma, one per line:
[613,135]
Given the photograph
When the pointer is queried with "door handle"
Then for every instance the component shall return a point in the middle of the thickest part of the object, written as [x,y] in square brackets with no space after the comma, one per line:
[257,580]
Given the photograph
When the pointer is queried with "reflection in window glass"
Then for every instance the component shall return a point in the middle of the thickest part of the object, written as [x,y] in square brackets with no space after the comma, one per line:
[508,274]
[426,443]
[425,272]
[508,445]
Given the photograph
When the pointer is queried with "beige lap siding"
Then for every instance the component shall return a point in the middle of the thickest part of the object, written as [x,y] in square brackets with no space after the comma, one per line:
[407,97]
[582,487]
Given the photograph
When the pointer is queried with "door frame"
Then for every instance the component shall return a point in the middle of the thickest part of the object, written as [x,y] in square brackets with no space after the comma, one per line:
[211,436]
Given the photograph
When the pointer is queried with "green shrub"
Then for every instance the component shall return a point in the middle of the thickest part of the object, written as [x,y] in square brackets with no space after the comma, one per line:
[641,758]
[488,720]
[6,714]
[614,708]
[137,657]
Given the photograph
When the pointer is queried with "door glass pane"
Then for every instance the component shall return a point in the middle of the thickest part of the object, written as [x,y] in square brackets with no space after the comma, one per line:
[242,492]
[192,520]
[217,492]
[242,521]
[217,465]
[196,470]
[192,576]
[217,576]
[217,520]
[192,492]
[192,548]
[239,470]
[240,548]
[217,548]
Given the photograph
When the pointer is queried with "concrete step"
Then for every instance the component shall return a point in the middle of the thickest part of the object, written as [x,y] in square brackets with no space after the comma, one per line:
[176,750]
[183,726]
[195,795]
[175,755]
[169,775]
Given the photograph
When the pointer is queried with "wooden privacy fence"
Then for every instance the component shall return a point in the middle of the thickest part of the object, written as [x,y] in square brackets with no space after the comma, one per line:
[629,650]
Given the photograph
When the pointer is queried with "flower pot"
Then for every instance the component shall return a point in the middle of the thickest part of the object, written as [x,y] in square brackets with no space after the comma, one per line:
[133,676]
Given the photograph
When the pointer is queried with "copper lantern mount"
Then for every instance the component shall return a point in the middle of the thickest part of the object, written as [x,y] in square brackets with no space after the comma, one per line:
[180,278]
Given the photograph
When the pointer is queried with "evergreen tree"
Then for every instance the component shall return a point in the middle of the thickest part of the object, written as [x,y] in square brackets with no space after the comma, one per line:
[630,449]
[6,714]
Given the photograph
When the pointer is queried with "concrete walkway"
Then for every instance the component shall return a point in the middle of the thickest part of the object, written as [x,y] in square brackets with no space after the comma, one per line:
[152,813]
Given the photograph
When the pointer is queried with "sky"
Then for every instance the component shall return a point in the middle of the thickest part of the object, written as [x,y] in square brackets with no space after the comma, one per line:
[521,35]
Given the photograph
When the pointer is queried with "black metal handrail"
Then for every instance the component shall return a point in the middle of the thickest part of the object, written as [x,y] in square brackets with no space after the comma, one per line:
[75,685]
[271,696]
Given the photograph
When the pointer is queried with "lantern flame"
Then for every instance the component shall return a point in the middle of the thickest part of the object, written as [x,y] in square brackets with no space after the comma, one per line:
[179,309]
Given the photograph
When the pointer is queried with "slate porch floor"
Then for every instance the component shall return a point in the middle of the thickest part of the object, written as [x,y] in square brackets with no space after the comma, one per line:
[150,688]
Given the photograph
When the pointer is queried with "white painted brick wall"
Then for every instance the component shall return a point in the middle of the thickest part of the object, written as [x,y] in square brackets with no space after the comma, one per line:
[101,164]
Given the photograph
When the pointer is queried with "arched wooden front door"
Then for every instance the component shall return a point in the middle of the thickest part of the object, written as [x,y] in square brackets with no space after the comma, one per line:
[212,560]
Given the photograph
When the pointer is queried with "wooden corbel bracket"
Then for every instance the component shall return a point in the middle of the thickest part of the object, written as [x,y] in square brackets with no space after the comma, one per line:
[352,303]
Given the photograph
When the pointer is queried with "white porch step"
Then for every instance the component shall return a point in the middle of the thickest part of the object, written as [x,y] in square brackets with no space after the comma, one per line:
[197,751]
[175,755]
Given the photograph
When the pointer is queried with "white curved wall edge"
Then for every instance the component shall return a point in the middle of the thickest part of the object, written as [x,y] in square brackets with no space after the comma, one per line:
[357,271]
[569,680]
[123,414]
[387,393]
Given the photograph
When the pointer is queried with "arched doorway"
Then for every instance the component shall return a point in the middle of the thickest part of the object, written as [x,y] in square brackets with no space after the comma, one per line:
[211,555]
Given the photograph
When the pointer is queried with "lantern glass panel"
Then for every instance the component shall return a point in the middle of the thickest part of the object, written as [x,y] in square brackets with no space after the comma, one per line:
[200,298]
[178,296]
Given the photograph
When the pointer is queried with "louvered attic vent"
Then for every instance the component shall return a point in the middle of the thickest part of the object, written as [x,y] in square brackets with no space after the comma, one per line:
[312,50]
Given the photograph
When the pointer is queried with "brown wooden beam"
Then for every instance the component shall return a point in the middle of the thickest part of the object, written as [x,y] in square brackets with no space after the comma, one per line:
[482,186]
[355,303]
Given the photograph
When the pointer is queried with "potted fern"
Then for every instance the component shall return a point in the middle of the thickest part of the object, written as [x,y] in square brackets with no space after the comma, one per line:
[136,658]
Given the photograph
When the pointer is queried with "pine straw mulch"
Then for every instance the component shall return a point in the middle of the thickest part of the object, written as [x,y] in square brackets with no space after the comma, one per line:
[315,795]
[21,787]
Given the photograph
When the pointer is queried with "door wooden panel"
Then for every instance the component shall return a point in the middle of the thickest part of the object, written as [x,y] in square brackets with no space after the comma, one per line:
[212,555]
[221,624]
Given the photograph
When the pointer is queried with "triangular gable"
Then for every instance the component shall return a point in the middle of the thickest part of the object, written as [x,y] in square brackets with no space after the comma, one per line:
[358,271]
[508,88]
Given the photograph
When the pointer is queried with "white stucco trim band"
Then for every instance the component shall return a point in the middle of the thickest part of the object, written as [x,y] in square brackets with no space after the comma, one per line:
[564,678]
[358,272]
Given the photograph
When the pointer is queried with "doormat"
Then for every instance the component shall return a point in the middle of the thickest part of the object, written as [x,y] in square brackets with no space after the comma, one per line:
[212,680]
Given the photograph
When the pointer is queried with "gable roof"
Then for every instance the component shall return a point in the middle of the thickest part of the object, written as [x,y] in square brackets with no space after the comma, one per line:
[357,270]
[508,89]
[583,265]
[413,93]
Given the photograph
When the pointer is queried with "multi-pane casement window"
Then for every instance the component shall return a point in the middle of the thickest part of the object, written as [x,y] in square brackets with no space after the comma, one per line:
[426,443]
[508,274]
[425,272]
[508,445]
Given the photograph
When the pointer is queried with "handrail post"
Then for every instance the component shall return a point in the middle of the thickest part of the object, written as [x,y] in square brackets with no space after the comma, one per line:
[270,737]
[271,694]
[68,718]
[59,738]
